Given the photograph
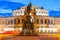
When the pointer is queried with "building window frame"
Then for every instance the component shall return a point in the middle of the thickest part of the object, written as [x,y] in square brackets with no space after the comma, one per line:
[18,21]
[37,21]
[41,21]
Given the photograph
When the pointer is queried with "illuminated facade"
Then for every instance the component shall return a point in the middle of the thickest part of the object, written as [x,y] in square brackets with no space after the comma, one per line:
[31,17]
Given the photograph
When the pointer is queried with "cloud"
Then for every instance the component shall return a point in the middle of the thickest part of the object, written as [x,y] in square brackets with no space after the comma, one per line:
[10,5]
[4,0]
[20,1]
[46,3]
[6,7]
[54,13]
[5,11]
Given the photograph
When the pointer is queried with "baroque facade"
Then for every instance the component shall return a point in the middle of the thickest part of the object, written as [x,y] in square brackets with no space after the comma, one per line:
[29,14]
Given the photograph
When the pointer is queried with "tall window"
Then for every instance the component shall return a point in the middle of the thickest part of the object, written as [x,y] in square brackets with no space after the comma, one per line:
[18,21]
[41,21]
[37,21]
[48,21]
[51,21]
[11,21]
[15,21]
[21,11]
[45,21]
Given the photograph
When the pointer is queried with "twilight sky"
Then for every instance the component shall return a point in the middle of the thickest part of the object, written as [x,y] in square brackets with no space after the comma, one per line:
[6,6]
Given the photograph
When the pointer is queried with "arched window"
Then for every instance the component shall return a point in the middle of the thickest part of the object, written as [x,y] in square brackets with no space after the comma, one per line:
[37,21]
[18,21]
[51,21]
[48,21]
[41,21]
[11,21]
[45,21]
[21,11]
[15,21]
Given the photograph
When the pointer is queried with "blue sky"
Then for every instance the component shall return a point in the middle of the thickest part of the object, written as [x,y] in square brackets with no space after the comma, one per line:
[6,6]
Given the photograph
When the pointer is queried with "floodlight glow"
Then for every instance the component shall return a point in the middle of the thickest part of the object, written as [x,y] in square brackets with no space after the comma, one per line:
[50,30]
[20,29]
[8,29]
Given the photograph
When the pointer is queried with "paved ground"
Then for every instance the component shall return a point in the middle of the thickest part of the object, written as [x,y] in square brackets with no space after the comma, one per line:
[42,37]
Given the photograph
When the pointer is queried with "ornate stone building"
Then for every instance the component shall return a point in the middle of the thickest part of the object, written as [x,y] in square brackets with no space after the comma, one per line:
[31,17]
